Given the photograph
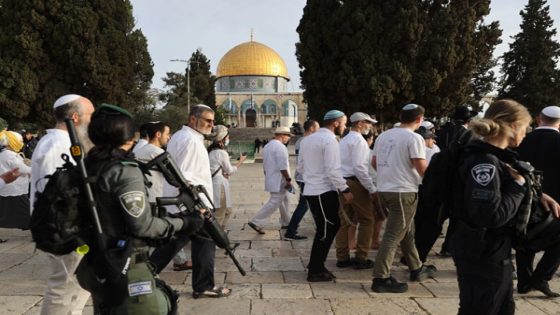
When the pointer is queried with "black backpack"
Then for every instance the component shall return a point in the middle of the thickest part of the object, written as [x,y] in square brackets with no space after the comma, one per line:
[436,190]
[61,221]
[58,224]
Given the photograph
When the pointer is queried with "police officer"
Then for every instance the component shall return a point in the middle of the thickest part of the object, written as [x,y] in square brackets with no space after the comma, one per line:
[487,196]
[119,279]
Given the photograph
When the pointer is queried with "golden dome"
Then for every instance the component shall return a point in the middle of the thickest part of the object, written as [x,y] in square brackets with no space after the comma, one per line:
[252,58]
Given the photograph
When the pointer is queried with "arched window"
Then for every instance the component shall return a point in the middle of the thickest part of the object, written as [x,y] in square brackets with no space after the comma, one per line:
[269,107]
[289,108]
[248,105]
[230,106]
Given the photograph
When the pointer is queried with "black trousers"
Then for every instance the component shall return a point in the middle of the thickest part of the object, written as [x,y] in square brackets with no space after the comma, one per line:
[485,289]
[203,255]
[545,269]
[324,208]
[428,222]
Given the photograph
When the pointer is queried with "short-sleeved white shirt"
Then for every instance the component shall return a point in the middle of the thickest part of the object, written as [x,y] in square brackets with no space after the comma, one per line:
[394,150]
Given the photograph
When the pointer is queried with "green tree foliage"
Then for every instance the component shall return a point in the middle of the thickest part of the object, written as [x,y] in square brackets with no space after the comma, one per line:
[376,55]
[530,67]
[201,83]
[51,48]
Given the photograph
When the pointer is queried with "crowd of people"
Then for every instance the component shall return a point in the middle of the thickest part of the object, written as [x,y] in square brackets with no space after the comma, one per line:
[365,188]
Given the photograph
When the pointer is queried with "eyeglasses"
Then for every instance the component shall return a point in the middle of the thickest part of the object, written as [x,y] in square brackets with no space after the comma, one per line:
[208,120]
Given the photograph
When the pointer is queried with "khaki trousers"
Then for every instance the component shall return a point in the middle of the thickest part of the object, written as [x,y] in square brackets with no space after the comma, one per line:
[362,209]
[401,208]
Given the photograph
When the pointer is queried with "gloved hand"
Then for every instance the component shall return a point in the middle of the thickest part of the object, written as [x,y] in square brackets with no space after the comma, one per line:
[191,222]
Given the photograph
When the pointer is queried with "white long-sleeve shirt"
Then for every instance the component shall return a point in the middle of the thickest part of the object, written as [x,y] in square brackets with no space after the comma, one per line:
[219,158]
[319,162]
[145,154]
[355,158]
[187,148]
[275,159]
[46,158]
[9,160]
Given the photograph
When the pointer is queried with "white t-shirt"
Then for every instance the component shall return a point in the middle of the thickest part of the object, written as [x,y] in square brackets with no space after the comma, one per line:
[145,154]
[394,150]
[430,152]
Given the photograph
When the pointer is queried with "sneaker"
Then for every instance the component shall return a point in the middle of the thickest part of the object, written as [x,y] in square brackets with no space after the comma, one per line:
[319,277]
[294,237]
[544,288]
[423,273]
[363,264]
[388,285]
[344,263]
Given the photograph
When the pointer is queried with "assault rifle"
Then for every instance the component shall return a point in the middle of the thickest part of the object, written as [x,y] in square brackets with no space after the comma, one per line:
[192,199]
[78,155]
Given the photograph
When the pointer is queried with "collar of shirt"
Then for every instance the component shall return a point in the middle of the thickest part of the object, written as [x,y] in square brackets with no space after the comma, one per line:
[194,132]
[547,128]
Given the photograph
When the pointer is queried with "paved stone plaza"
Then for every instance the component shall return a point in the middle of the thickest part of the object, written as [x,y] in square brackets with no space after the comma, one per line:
[276,277]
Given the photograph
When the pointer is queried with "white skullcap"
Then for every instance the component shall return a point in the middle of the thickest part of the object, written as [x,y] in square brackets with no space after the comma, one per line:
[426,124]
[552,112]
[63,100]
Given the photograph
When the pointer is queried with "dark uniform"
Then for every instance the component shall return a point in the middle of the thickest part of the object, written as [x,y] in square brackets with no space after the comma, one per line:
[541,148]
[486,199]
[128,223]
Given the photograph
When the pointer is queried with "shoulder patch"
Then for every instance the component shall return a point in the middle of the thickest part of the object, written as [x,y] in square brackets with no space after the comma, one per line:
[483,173]
[133,202]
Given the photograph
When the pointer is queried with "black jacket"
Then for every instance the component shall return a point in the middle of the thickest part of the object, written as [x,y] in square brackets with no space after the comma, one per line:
[486,199]
[541,148]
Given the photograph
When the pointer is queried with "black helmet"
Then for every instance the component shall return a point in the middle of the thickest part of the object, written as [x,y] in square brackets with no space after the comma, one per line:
[463,113]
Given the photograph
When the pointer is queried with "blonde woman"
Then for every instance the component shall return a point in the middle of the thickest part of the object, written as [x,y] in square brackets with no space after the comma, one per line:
[487,196]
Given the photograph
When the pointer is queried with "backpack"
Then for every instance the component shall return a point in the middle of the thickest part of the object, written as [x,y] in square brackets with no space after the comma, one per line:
[436,190]
[61,221]
[57,224]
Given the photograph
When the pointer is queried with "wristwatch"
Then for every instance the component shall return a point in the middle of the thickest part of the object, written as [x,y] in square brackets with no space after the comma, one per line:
[347,190]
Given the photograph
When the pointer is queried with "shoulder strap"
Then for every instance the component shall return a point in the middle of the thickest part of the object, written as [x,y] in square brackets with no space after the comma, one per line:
[216,172]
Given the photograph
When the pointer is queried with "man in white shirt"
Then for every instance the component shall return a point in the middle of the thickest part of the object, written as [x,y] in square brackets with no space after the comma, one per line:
[400,160]
[63,295]
[277,180]
[144,137]
[158,134]
[355,158]
[187,148]
[319,162]
[291,234]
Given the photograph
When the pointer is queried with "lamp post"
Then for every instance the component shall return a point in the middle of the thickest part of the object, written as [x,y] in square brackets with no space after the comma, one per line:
[188,62]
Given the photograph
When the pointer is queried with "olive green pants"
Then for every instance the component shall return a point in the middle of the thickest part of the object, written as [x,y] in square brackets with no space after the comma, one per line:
[362,210]
[401,208]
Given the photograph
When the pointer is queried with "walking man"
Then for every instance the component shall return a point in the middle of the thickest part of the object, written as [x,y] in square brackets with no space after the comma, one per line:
[277,180]
[355,158]
[399,156]
[309,127]
[63,294]
[187,148]
[542,149]
[319,162]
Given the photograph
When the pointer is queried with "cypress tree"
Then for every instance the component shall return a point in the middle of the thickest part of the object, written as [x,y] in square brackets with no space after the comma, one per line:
[86,47]
[530,68]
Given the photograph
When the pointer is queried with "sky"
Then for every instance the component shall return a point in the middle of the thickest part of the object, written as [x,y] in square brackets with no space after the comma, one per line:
[176,28]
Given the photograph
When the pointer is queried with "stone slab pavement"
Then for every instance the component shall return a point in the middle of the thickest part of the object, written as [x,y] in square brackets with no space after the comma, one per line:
[276,273]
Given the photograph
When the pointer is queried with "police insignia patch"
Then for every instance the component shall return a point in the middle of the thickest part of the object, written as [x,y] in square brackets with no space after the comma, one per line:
[483,173]
[133,202]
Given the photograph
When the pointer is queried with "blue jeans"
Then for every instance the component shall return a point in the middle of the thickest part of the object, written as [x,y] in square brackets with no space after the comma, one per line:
[299,212]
